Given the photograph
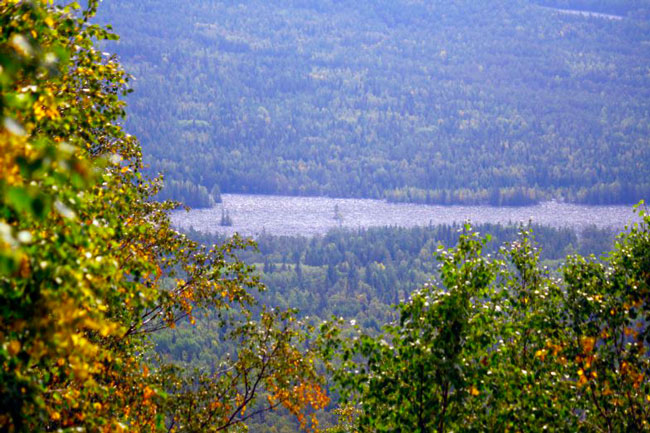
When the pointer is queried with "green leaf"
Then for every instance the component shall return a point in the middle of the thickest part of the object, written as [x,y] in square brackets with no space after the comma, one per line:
[19,199]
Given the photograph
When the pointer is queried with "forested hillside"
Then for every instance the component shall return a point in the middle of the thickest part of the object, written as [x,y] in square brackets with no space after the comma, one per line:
[501,102]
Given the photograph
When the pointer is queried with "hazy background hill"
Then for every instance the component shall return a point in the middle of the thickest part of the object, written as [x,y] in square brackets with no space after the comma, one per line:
[500,101]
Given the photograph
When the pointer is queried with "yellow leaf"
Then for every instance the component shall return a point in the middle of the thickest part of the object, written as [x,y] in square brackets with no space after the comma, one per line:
[582,381]
[14,347]
[587,344]
[148,393]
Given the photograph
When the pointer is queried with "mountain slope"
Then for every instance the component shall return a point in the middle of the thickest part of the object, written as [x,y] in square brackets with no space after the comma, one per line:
[454,101]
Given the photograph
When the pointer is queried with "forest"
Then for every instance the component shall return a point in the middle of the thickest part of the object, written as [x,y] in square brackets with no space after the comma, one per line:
[355,274]
[111,320]
[502,102]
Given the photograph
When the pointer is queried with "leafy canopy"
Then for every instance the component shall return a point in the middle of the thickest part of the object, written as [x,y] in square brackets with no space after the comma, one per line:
[500,344]
[90,267]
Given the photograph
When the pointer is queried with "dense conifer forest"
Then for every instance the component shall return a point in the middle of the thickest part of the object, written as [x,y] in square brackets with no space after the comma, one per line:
[500,102]
[359,273]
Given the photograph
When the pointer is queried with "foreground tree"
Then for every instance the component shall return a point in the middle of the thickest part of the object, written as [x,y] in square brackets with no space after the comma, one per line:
[90,267]
[501,345]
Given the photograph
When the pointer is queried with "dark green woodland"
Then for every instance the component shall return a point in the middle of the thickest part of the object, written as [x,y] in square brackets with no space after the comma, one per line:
[500,102]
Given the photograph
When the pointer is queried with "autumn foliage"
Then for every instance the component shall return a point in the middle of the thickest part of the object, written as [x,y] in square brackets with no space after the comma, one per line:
[90,267]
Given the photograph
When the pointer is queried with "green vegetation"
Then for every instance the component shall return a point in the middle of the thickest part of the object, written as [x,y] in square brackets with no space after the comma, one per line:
[499,101]
[497,344]
[358,274]
[192,195]
[90,268]
[111,320]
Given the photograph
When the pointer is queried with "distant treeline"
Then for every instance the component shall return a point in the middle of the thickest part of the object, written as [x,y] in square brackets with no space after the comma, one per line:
[189,194]
[600,194]
[347,272]
[498,101]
